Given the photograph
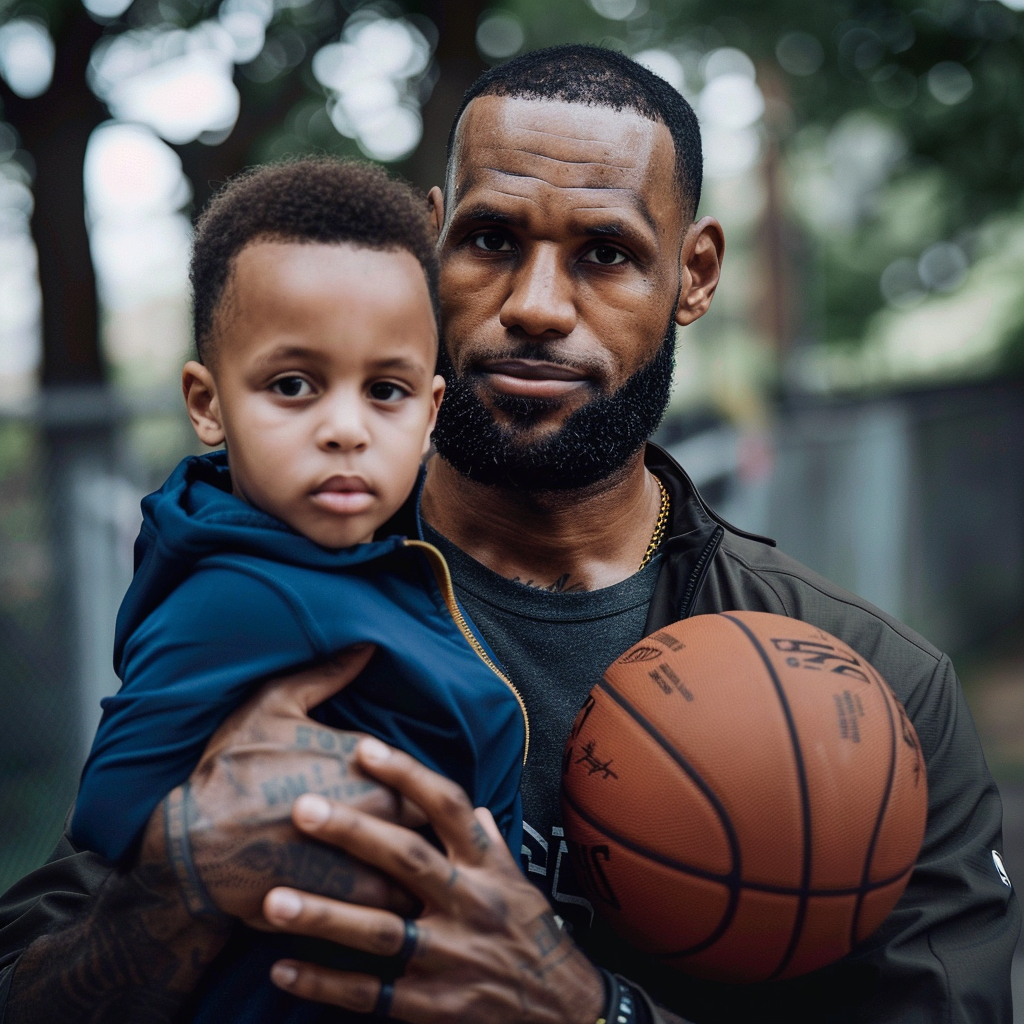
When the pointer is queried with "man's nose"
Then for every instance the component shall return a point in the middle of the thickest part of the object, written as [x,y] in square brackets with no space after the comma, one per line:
[542,299]
[342,424]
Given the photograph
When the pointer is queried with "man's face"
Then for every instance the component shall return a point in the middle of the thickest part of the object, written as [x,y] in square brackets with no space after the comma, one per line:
[560,275]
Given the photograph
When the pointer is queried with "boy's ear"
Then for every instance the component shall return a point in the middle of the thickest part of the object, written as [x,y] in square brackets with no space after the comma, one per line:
[437,393]
[200,391]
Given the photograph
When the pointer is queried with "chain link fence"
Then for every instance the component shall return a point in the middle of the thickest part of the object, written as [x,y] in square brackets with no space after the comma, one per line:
[72,474]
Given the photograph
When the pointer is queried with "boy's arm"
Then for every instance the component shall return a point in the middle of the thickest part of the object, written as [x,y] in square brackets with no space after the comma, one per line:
[82,942]
[185,668]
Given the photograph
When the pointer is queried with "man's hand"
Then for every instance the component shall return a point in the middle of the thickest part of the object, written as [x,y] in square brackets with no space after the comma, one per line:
[145,940]
[488,948]
[228,832]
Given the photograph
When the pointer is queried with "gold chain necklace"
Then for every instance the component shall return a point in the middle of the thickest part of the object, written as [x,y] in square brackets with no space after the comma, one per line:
[659,527]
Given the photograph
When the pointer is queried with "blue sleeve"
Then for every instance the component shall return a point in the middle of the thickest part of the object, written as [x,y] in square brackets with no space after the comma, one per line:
[189,664]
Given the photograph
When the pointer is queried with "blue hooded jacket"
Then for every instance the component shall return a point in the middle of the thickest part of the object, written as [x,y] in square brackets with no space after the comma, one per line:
[226,596]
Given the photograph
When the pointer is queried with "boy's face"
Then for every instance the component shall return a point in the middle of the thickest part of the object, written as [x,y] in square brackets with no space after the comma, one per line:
[321,384]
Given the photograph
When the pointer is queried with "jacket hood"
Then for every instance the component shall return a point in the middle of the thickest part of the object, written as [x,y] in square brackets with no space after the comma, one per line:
[195,516]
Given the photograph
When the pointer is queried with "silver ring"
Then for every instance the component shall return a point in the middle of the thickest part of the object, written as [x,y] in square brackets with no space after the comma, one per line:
[409,941]
[382,1008]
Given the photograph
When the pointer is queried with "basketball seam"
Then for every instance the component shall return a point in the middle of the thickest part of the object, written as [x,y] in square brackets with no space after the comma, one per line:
[805,797]
[869,856]
[727,880]
[730,833]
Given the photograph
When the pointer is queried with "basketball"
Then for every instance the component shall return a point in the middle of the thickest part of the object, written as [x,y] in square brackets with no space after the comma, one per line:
[744,797]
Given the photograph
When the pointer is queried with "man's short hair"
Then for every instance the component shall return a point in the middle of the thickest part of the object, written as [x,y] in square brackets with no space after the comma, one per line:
[596,76]
[319,199]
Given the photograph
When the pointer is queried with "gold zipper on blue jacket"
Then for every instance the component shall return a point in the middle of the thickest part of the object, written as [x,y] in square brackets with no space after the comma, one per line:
[444,580]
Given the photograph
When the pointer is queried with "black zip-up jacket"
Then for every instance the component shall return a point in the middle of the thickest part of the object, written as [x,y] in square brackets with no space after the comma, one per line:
[944,953]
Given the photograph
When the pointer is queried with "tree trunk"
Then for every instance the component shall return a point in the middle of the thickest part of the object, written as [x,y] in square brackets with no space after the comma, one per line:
[55,129]
[459,64]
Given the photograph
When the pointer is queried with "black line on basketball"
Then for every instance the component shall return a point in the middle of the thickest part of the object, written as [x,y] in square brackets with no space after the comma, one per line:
[688,869]
[866,874]
[728,879]
[736,874]
[805,796]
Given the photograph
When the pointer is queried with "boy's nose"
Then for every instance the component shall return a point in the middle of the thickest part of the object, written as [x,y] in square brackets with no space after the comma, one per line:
[342,427]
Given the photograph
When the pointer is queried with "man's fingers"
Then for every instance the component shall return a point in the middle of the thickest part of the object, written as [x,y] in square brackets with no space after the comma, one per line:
[445,803]
[489,825]
[373,931]
[357,992]
[399,852]
[306,689]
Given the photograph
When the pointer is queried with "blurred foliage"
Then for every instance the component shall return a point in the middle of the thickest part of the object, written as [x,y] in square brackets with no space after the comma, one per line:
[953,149]
[927,94]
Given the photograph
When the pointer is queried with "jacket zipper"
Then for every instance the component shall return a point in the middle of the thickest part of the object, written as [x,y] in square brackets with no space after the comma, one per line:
[444,580]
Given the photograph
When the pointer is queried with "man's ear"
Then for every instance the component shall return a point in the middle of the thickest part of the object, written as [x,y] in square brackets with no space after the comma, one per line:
[437,389]
[701,269]
[200,391]
[436,199]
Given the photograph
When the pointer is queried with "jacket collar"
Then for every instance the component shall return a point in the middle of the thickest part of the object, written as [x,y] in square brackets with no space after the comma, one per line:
[694,535]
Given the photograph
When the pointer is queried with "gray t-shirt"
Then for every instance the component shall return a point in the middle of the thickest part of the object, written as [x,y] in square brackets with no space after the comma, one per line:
[554,647]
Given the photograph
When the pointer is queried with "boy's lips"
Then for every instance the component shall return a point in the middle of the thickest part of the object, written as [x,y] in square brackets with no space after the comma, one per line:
[532,378]
[345,495]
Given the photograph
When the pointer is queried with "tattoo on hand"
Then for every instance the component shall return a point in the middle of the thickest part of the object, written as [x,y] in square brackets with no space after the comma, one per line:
[546,933]
[302,865]
[480,837]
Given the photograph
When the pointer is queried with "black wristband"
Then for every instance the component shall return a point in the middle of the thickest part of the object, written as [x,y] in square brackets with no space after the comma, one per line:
[623,1003]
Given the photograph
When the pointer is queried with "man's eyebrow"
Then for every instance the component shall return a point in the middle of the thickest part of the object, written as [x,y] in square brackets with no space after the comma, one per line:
[616,228]
[490,215]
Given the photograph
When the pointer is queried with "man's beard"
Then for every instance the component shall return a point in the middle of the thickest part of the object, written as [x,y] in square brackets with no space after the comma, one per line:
[595,441]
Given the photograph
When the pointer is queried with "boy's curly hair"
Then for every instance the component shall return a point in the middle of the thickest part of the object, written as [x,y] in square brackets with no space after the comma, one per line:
[321,199]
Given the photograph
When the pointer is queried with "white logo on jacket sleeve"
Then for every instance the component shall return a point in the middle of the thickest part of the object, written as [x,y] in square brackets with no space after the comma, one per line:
[1003,876]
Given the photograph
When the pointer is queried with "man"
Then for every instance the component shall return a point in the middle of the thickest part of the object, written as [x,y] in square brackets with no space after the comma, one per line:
[569,253]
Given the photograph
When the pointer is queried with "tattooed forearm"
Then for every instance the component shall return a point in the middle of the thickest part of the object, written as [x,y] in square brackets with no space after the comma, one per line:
[132,959]
[181,814]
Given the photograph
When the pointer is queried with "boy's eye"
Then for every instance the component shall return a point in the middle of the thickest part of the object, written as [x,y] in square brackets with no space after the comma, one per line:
[386,391]
[292,387]
[605,255]
[492,241]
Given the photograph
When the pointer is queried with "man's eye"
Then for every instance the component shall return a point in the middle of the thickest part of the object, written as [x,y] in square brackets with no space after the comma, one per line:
[605,255]
[292,387]
[492,241]
[386,391]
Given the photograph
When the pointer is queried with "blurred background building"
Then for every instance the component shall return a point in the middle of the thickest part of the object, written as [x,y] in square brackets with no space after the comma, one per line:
[855,391]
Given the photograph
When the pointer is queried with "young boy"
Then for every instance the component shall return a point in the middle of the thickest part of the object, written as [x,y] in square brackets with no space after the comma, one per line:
[315,321]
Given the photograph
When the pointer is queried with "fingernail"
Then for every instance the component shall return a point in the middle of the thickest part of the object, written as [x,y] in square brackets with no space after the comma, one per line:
[284,975]
[312,810]
[374,750]
[283,904]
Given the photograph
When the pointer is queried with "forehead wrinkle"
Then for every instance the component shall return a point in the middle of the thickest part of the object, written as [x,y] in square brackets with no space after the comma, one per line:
[633,200]
[566,160]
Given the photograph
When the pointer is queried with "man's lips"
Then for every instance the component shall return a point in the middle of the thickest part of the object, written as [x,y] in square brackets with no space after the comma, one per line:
[532,378]
[345,495]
